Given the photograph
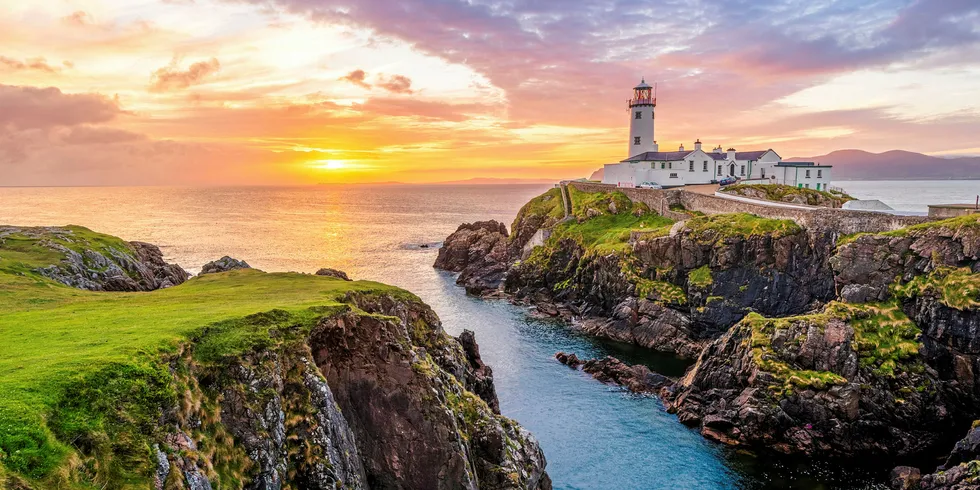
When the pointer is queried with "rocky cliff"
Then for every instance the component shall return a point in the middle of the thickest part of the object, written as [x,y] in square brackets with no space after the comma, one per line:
[806,341]
[340,384]
[77,257]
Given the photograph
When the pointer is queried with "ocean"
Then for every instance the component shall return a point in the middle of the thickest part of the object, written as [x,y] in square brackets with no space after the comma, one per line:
[594,436]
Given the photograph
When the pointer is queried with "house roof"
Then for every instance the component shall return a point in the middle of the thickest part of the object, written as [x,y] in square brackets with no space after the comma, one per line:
[658,156]
[672,156]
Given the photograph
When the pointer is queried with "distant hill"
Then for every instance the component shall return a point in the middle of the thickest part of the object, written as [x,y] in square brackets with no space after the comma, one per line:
[597,175]
[895,165]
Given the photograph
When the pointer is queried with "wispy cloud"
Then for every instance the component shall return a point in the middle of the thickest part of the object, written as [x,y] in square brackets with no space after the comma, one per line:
[171,77]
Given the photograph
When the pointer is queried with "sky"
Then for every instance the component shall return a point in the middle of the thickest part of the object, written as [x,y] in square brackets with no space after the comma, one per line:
[146,92]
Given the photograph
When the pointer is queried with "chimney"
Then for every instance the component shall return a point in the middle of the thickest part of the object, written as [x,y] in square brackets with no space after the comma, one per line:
[697,144]
[731,153]
[717,150]
[681,148]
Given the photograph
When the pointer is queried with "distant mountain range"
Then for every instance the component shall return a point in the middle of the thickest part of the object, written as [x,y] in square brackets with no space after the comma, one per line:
[890,165]
[895,165]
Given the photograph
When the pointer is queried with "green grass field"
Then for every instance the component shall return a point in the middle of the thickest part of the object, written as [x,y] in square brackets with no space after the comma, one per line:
[54,338]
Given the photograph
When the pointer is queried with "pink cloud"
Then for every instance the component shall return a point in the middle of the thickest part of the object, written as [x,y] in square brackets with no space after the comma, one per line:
[32,107]
[356,77]
[396,84]
[171,77]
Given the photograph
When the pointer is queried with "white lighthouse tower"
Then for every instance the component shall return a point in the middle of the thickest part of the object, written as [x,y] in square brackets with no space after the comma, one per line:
[642,107]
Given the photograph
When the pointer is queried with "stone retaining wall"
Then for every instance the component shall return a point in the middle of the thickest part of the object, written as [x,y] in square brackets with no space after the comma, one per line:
[842,221]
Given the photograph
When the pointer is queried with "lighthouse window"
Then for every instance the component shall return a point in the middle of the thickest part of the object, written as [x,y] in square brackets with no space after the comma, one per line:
[636,140]
[690,166]
[639,115]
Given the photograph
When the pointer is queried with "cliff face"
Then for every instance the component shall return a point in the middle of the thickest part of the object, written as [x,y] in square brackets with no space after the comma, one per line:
[375,396]
[349,385]
[890,374]
[806,342]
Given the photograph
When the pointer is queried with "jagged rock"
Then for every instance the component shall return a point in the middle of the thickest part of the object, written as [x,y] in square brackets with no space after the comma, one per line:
[962,468]
[570,360]
[127,266]
[636,378]
[326,271]
[479,378]
[479,252]
[798,387]
[224,264]
[905,478]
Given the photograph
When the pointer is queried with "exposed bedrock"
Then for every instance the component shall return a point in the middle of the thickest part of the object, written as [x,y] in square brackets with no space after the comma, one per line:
[478,251]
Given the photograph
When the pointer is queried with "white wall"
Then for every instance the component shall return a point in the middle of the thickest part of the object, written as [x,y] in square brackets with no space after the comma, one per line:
[641,128]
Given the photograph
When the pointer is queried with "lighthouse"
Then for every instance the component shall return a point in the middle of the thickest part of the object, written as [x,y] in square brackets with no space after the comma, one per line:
[642,107]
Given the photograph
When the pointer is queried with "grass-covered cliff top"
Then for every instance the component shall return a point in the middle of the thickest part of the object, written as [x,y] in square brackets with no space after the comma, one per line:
[604,220]
[546,207]
[22,250]
[739,225]
[790,194]
[55,339]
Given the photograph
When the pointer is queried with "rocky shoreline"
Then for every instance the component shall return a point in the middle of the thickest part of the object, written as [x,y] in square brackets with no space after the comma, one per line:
[364,390]
[807,342]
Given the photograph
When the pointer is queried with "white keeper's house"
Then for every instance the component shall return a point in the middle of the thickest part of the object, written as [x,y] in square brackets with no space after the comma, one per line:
[645,163]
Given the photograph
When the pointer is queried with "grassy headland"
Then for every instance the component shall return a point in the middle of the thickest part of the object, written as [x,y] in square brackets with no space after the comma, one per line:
[69,356]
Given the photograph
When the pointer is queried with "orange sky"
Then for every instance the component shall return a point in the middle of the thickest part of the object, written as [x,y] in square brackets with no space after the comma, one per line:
[100,92]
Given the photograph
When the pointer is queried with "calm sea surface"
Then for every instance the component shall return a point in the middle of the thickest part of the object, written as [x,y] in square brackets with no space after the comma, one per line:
[594,436]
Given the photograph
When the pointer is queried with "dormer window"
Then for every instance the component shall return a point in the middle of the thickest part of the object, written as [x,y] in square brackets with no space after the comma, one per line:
[636,140]
[639,115]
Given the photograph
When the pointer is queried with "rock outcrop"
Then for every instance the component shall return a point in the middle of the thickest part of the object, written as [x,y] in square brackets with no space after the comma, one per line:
[961,471]
[224,264]
[86,262]
[328,272]
[478,251]
[636,378]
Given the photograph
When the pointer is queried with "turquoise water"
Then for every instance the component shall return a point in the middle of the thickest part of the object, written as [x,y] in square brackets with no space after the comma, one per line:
[595,436]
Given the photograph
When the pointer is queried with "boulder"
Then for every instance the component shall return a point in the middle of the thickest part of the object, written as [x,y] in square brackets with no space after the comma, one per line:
[326,271]
[905,478]
[224,264]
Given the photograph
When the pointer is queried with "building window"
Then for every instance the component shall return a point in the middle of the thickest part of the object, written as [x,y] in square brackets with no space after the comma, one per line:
[806,186]
[639,115]
[663,165]
[705,168]
[719,169]
[763,173]
[673,176]
[690,166]
[636,140]
[742,170]
[819,173]
[807,174]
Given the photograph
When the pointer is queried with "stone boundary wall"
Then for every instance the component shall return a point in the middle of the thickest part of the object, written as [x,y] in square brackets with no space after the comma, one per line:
[842,221]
